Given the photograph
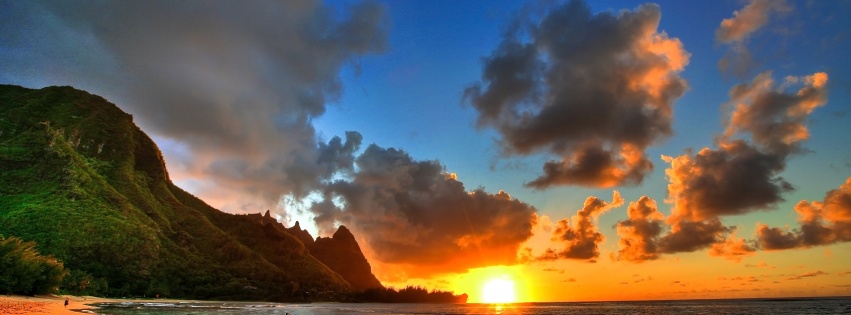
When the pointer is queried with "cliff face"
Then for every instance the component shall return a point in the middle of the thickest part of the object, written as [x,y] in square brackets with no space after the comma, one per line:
[342,254]
[79,178]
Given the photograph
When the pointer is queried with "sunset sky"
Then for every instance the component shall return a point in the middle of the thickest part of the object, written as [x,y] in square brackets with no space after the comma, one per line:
[612,150]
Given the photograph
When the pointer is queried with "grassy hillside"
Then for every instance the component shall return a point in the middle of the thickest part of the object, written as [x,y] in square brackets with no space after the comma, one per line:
[90,188]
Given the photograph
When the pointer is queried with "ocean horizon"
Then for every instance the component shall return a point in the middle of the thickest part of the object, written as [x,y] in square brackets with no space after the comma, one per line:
[756,306]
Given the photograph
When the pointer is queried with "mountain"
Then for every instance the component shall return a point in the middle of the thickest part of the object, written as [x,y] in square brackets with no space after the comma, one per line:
[80,179]
[302,235]
[342,254]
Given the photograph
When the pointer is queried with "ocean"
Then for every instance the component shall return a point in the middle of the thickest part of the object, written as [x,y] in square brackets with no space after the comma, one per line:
[748,306]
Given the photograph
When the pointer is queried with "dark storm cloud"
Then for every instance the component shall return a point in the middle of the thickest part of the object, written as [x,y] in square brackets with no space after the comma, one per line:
[594,89]
[236,84]
[734,31]
[820,223]
[580,235]
[412,213]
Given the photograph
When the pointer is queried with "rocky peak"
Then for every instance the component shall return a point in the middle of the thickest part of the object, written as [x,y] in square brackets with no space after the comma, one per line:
[342,254]
[302,235]
[345,238]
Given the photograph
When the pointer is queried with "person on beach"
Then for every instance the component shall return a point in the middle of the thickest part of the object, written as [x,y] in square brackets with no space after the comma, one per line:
[66,302]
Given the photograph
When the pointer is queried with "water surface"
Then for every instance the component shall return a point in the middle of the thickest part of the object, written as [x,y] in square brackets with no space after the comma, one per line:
[751,306]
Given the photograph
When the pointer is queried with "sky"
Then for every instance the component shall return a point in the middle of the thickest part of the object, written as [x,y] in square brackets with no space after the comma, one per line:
[610,150]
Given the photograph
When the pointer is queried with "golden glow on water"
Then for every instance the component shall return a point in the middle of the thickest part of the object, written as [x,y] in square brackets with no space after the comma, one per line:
[498,309]
[499,290]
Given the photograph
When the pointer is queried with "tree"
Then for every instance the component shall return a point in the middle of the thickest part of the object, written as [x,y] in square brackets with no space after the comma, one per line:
[24,271]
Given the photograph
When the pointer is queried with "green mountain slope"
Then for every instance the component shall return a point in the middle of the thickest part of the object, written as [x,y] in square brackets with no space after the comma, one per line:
[79,178]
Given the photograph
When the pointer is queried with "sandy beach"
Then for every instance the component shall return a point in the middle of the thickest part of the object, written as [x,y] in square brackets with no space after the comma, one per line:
[55,304]
[46,304]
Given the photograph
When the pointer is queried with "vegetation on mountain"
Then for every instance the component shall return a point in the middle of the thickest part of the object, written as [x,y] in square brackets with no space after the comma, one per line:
[83,185]
[24,271]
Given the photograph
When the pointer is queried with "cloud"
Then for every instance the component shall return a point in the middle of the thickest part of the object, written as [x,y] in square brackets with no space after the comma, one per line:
[580,235]
[820,223]
[808,275]
[740,176]
[772,238]
[736,30]
[690,236]
[752,17]
[639,234]
[413,214]
[745,279]
[761,264]
[732,248]
[734,179]
[593,89]
[646,236]
[231,87]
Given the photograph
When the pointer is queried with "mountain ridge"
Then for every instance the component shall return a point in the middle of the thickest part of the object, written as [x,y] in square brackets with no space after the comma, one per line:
[79,178]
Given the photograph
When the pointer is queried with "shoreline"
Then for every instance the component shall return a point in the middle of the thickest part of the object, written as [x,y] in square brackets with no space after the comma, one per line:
[55,304]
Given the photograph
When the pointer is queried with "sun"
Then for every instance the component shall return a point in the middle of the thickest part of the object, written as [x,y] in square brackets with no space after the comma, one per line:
[498,290]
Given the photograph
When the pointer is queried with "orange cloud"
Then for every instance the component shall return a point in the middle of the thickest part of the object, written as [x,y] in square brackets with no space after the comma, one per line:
[820,223]
[639,235]
[580,234]
[732,248]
